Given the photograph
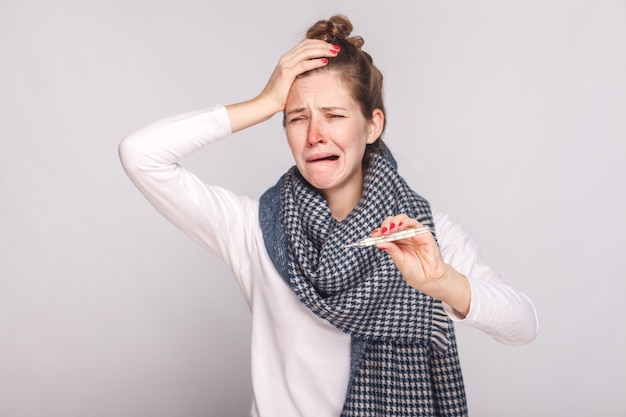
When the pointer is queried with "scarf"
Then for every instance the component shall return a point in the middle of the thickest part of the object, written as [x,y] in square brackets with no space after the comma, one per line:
[404,359]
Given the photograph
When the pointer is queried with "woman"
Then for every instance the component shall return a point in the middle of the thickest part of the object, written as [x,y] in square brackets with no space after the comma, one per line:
[335,329]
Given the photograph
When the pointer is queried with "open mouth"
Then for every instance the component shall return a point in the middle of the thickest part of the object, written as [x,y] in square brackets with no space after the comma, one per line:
[326,158]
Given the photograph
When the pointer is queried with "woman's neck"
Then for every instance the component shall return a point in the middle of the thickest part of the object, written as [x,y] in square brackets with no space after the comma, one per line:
[342,201]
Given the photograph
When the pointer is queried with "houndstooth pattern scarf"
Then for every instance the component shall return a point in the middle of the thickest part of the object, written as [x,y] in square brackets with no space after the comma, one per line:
[404,359]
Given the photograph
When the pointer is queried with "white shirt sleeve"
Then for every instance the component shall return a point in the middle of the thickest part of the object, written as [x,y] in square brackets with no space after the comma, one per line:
[214,217]
[505,314]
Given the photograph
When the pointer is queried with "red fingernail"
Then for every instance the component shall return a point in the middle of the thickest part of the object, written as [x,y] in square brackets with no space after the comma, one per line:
[375,230]
[392,226]
[332,51]
[400,224]
[384,229]
[324,61]
[336,47]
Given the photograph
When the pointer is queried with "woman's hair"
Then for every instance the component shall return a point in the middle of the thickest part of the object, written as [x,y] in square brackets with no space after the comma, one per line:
[354,66]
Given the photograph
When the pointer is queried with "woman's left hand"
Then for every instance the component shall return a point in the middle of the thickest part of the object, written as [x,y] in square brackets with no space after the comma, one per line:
[418,258]
[419,261]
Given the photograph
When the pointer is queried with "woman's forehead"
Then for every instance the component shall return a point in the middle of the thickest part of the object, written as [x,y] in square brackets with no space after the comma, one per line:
[321,90]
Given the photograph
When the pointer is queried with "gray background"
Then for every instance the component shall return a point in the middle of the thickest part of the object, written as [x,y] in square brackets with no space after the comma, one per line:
[508,115]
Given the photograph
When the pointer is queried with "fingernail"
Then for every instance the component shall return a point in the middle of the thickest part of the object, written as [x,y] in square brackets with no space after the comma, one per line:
[392,226]
[399,224]
[375,230]
[384,230]
[324,61]
[333,51]
[336,47]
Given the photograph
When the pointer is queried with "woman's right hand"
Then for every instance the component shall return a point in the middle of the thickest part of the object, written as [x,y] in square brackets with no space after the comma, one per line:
[305,56]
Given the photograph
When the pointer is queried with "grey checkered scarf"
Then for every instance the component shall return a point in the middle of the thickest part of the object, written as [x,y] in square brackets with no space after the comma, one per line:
[404,360]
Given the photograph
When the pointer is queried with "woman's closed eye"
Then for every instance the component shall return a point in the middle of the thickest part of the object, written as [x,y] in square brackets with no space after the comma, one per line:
[296,119]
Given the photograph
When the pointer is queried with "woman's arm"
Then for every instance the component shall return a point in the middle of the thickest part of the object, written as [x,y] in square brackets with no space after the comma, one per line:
[214,217]
[453,272]
[151,157]
[496,308]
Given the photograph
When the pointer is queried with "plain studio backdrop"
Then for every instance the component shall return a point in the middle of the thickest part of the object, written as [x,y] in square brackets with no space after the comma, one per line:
[510,116]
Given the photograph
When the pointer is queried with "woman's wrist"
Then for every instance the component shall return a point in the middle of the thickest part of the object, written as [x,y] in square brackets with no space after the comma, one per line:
[251,112]
[452,288]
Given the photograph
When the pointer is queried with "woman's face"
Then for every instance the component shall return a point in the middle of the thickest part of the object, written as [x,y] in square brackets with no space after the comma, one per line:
[327,134]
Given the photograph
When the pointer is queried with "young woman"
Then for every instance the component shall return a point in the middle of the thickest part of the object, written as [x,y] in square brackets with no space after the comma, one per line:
[354,331]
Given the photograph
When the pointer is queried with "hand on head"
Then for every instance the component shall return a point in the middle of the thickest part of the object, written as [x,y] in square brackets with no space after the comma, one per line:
[307,55]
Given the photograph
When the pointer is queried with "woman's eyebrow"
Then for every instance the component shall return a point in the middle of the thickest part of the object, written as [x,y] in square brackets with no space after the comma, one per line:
[296,110]
[323,108]
[332,108]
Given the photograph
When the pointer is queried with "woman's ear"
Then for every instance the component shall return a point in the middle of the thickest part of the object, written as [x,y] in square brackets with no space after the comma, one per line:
[376,126]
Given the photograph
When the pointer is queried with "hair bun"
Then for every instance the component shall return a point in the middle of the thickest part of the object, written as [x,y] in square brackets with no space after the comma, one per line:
[337,27]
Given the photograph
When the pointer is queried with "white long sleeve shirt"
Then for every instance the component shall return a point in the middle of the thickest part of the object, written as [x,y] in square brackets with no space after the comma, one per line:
[300,363]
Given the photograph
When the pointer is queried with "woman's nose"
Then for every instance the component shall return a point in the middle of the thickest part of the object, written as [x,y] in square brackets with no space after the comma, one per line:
[315,135]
